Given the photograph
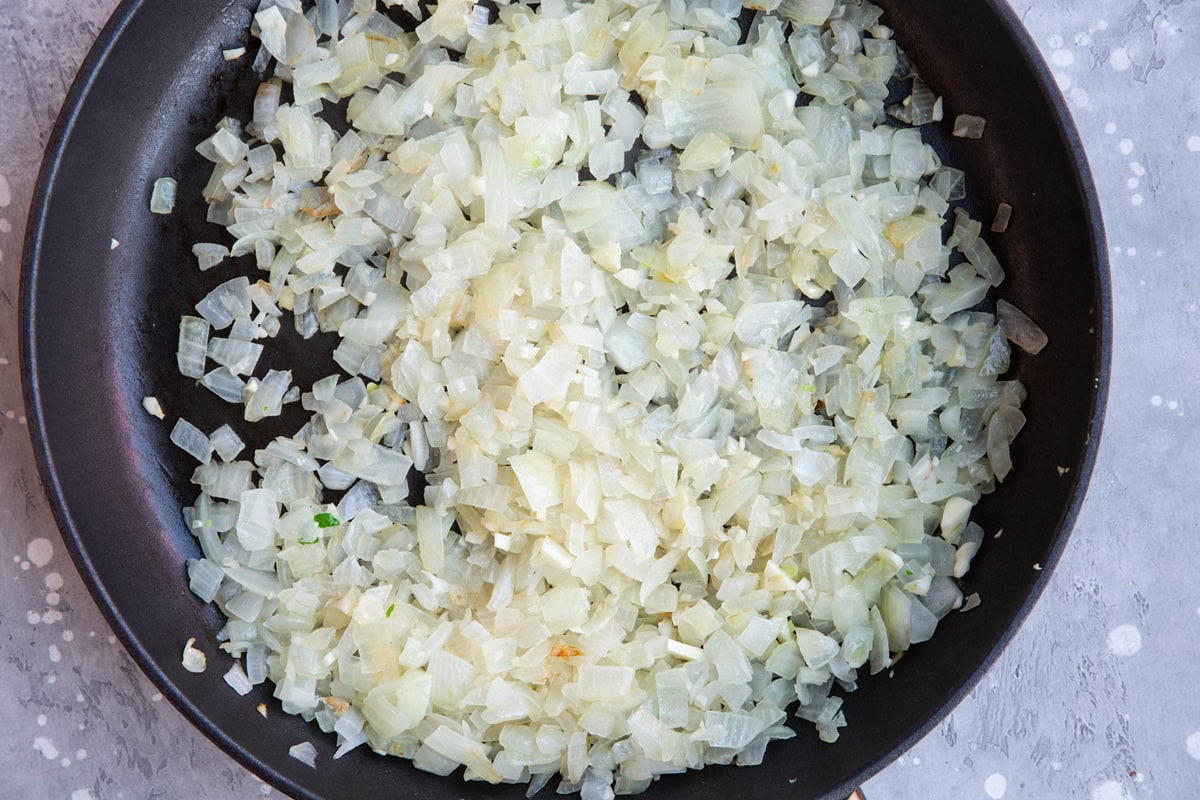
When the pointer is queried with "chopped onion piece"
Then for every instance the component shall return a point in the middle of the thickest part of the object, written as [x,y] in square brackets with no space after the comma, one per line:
[1003,217]
[162,198]
[305,753]
[237,680]
[190,439]
[153,407]
[969,126]
[1020,329]
[194,659]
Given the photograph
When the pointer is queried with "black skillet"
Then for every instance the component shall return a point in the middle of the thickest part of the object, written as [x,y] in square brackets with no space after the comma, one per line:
[99,327]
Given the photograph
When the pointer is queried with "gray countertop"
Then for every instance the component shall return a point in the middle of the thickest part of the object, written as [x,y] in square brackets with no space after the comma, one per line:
[1095,698]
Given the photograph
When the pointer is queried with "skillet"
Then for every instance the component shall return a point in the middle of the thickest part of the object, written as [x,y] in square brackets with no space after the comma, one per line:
[98,327]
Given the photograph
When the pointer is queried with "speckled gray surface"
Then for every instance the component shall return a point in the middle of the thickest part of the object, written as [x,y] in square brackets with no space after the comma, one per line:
[1096,697]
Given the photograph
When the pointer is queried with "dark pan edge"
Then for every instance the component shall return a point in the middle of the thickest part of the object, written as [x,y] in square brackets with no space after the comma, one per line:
[30,260]
[64,126]
[1102,313]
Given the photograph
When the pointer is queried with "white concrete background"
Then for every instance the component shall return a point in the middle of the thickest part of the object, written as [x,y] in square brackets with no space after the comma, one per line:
[1097,696]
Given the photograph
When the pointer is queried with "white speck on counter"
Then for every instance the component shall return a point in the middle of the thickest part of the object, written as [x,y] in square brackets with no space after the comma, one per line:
[1110,790]
[1062,58]
[1193,144]
[52,598]
[916,761]
[40,551]
[46,747]
[66,762]
[41,720]
[53,679]
[1110,128]
[154,698]
[5,226]
[80,755]
[1124,641]
[1125,146]
[995,786]
[1156,400]
[82,794]
[25,566]
[1056,765]
[68,636]
[1137,200]
[5,192]
[113,244]
[55,655]
[33,617]
[1193,745]
[1136,168]
[1119,59]
[53,581]
[1132,183]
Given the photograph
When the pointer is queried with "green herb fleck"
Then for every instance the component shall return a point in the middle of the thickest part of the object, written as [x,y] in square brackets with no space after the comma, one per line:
[808,387]
[326,520]
[313,540]
[389,611]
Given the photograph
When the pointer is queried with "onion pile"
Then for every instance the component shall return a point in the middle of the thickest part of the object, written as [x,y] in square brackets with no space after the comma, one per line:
[664,315]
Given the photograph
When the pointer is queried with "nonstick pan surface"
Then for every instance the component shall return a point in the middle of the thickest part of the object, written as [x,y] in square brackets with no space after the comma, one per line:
[99,333]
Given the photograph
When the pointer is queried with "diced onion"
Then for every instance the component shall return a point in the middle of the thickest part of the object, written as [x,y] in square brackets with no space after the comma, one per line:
[237,680]
[190,439]
[969,126]
[162,198]
[664,404]
[305,753]
[194,659]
